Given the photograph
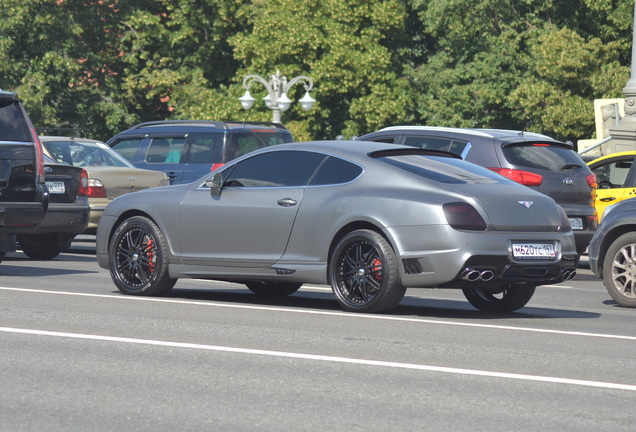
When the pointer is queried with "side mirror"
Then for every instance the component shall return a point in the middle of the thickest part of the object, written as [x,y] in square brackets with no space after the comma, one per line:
[215,184]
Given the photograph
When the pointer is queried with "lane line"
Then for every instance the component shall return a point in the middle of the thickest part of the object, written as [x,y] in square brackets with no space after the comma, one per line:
[325,358]
[351,315]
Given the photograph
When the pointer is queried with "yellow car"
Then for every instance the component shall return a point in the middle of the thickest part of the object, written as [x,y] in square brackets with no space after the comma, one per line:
[616,179]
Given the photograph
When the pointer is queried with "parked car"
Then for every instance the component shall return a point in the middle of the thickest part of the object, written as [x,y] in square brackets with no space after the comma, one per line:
[368,218]
[616,178]
[66,216]
[612,252]
[534,160]
[23,193]
[109,174]
[186,150]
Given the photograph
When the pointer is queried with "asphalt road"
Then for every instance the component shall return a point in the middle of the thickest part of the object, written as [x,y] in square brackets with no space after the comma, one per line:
[76,355]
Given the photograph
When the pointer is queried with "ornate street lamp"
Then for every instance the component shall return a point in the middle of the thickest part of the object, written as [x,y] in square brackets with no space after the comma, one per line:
[277,88]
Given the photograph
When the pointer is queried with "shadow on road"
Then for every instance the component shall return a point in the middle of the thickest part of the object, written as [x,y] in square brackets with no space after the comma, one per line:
[410,306]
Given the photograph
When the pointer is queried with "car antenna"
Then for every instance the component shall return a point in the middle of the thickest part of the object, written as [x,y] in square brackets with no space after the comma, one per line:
[526,127]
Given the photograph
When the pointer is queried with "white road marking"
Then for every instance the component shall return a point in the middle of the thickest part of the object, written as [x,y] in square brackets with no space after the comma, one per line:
[328,313]
[324,358]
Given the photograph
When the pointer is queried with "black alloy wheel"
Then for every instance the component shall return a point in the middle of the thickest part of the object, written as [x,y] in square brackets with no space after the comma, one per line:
[504,298]
[364,273]
[138,258]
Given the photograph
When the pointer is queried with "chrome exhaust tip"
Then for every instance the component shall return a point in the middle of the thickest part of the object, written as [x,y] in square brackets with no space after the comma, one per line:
[471,275]
[486,275]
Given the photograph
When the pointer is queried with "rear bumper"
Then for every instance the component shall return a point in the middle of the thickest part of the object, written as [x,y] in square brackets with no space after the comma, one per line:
[19,217]
[64,218]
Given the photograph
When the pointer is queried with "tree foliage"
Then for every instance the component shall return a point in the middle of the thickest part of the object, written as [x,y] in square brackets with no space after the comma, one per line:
[104,65]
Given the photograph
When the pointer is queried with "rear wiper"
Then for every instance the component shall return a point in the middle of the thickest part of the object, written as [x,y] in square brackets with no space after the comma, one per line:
[571,165]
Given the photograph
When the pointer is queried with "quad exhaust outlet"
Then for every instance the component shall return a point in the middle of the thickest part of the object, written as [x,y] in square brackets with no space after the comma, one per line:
[474,275]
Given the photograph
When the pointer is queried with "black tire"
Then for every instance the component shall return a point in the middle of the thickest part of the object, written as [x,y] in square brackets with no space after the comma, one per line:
[2,255]
[139,258]
[364,275]
[619,270]
[505,298]
[40,247]
[273,289]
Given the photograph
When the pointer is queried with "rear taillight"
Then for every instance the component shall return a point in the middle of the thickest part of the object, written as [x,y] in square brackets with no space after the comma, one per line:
[39,155]
[592,181]
[524,177]
[83,186]
[463,216]
[96,189]
[215,166]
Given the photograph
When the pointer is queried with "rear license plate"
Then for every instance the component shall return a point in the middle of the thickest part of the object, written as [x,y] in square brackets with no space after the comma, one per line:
[56,187]
[577,223]
[542,251]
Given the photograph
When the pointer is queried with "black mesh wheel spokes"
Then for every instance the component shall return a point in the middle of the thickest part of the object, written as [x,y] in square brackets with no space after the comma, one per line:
[359,273]
[624,271]
[136,257]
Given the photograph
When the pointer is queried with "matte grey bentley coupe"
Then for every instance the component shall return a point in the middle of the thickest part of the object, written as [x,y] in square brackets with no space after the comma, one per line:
[369,219]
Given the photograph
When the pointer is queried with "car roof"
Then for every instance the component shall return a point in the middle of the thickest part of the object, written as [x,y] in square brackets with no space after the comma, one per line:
[49,138]
[358,150]
[481,132]
[179,126]
[611,156]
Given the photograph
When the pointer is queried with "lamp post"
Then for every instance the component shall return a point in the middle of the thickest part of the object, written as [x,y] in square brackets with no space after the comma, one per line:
[624,133]
[277,88]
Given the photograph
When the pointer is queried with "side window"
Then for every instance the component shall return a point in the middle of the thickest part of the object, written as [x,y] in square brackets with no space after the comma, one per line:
[335,171]
[437,143]
[127,147]
[165,150]
[390,140]
[612,175]
[206,148]
[276,169]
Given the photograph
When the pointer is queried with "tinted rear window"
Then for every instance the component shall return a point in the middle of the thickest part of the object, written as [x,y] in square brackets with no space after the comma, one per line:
[544,157]
[13,126]
[443,170]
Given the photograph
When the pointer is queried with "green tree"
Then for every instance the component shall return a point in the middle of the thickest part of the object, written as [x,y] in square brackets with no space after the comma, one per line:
[343,46]
[520,63]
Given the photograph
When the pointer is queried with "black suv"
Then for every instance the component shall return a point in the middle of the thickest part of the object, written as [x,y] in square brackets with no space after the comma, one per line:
[24,196]
[537,161]
[187,150]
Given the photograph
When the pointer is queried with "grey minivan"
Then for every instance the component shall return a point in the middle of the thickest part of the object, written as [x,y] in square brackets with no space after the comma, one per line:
[534,160]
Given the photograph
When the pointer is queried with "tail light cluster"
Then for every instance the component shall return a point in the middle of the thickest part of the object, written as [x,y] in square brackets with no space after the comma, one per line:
[461,215]
[524,177]
[83,186]
[96,189]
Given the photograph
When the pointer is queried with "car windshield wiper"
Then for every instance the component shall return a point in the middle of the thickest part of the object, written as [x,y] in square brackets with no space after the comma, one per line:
[571,165]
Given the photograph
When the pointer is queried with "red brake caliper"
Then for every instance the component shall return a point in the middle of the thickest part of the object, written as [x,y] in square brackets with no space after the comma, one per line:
[376,266]
[151,254]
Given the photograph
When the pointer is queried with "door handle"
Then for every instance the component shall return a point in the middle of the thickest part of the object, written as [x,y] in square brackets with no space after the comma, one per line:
[608,199]
[286,202]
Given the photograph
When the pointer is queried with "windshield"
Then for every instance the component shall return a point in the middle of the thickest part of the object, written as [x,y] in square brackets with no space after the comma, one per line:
[85,153]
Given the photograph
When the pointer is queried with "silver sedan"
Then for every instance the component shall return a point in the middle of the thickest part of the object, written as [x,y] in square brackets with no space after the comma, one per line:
[369,219]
